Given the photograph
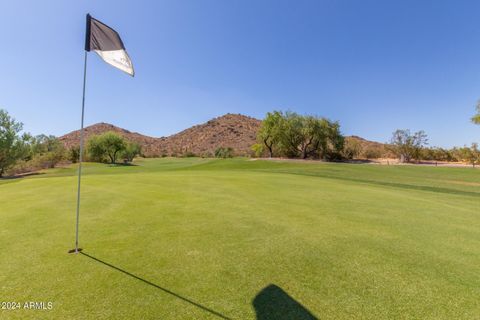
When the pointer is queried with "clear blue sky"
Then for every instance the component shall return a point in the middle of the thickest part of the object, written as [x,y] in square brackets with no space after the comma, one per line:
[373,65]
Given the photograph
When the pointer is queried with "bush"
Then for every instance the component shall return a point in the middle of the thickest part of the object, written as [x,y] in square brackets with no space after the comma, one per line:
[106,147]
[258,150]
[189,154]
[74,154]
[224,153]
[352,149]
[46,151]
[374,153]
[132,150]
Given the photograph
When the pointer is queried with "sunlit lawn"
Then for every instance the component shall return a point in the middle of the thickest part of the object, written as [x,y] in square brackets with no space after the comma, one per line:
[210,239]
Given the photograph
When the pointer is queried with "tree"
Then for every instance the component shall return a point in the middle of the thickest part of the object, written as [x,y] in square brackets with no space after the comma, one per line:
[472,154]
[293,135]
[269,133]
[108,145]
[335,141]
[407,146]
[47,151]
[310,136]
[258,149]
[13,146]
[132,150]
[476,118]
[74,154]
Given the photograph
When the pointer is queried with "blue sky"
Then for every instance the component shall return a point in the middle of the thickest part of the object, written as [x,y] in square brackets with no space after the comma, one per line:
[375,66]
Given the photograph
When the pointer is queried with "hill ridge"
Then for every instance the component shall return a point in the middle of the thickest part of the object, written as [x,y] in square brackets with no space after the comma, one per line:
[229,130]
[237,131]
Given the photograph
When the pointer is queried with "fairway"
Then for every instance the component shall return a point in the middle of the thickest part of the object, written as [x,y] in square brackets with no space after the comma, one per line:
[199,238]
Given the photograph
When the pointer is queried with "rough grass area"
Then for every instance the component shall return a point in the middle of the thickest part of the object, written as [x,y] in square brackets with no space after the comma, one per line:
[238,239]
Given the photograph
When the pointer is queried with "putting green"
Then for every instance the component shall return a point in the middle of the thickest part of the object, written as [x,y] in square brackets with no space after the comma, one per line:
[238,239]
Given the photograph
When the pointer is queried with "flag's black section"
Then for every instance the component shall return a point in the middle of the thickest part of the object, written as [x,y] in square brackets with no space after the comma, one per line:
[101,37]
[107,44]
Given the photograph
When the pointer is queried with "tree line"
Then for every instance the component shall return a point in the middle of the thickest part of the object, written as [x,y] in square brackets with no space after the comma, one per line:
[23,152]
[282,134]
[289,134]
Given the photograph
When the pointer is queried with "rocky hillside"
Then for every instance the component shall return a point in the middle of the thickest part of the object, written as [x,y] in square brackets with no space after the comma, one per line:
[231,130]
[72,139]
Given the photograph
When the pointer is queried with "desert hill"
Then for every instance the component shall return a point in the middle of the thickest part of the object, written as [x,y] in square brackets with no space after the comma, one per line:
[230,130]
[73,138]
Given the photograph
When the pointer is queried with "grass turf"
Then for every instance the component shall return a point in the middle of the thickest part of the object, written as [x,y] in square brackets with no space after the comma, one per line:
[238,239]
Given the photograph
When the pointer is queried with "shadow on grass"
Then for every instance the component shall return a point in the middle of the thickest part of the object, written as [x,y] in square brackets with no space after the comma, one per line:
[122,164]
[272,303]
[390,184]
[206,309]
[21,175]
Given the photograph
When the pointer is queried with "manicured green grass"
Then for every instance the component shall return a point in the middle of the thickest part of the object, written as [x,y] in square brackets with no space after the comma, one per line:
[239,239]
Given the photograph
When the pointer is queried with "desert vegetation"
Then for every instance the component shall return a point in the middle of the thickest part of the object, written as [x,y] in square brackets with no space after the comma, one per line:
[280,134]
[109,147]
[299,136]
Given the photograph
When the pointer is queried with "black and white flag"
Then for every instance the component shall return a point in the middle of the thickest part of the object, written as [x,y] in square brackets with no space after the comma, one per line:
[107,44]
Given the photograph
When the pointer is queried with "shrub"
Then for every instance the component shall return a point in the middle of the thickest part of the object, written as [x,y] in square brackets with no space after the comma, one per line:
[258,150]
[107,146]
[132,150]
[224,153]
[189,154]
[74,154]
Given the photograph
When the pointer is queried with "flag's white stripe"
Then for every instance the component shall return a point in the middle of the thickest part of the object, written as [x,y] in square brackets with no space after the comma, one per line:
[117,58]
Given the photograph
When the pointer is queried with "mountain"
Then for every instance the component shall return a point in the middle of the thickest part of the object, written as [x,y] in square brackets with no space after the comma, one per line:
[73,138]
[231,130]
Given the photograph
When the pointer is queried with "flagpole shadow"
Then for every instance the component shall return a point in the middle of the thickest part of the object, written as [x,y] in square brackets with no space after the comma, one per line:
[198,305]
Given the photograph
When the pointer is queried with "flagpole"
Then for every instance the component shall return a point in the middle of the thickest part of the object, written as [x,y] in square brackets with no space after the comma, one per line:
[81,152]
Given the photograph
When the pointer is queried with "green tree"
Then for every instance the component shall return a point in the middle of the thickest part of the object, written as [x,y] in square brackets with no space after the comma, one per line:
[108,146]
[74,154]
[407,146]
[132,150]
[335,141]
[47,151]
[293,135]
[258,149]
[476,118]
[310,136]
[13,145]
[270,131]
[472,154]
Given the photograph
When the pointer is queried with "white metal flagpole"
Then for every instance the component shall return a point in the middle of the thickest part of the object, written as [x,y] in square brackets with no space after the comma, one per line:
[81,154]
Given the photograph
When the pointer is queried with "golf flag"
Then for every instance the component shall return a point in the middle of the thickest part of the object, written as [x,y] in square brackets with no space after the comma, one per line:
[107,44]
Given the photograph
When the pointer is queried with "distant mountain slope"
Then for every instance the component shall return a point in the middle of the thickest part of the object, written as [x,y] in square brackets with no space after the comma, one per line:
[73,138]
[231,130]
